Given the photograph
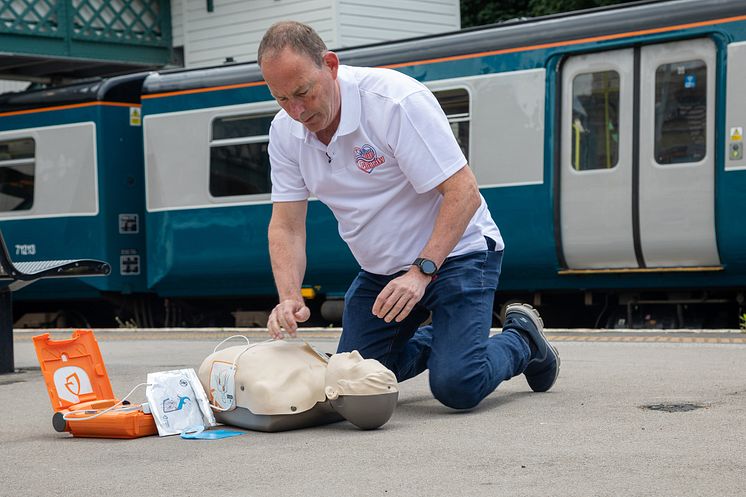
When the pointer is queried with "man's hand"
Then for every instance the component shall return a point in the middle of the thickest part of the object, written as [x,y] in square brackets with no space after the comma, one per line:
[285,316]
[398,298]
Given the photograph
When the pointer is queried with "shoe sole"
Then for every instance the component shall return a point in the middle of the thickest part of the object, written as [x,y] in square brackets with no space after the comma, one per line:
[535,318]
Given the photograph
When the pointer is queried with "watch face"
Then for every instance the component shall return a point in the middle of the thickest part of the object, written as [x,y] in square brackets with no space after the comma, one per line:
[428,267]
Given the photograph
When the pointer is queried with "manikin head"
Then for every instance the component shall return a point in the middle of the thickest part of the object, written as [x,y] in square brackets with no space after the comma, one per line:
[302,75]
[364,391]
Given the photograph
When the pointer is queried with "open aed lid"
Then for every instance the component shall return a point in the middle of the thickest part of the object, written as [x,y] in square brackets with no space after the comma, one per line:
[73,369]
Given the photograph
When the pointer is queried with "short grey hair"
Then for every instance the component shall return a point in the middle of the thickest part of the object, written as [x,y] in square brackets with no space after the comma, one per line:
[299,37]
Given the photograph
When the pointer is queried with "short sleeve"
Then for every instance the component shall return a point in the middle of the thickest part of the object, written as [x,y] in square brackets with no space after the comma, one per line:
[423,142]
[287,181]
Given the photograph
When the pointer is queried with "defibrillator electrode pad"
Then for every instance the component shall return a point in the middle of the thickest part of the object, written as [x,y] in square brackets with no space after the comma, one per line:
[222,391]
[178,401]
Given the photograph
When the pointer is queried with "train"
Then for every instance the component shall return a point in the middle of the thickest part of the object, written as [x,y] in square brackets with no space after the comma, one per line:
[608,144]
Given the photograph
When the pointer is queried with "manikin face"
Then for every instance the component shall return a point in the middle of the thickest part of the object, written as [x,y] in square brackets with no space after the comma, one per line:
[308,93]
[348,373]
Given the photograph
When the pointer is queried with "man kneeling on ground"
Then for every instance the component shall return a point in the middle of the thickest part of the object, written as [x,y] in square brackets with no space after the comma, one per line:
[375,146]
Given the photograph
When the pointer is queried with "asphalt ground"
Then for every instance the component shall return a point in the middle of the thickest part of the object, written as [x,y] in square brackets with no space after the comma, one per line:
[632,413]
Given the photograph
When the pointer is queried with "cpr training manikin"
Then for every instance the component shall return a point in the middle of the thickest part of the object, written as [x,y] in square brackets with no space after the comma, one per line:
[283,385]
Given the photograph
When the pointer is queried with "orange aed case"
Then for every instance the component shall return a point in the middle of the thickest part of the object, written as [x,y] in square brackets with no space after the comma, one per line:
[79,387]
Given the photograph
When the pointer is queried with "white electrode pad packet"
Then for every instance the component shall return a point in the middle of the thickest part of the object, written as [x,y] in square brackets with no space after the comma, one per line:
[178,401]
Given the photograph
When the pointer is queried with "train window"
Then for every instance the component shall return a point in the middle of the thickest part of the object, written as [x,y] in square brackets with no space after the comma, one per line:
[239,161]
[680,112]
[595,121]
[17,174]
[240,126]
[455,104]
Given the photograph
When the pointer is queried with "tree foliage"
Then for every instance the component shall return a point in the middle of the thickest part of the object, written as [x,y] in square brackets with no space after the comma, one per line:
[478,12]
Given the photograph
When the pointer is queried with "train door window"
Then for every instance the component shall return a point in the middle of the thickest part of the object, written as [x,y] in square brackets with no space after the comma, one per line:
[681,112]
[455,104]
[239,160]
[17,167]
[595,121]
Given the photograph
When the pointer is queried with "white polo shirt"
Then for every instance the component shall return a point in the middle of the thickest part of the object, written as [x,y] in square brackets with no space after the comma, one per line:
[378,174]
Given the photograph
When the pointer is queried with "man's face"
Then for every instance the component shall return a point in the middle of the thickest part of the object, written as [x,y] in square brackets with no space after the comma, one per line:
[308,93]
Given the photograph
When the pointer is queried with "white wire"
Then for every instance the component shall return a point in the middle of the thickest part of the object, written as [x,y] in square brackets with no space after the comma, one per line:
[230,338]
[108,409]
[221,409]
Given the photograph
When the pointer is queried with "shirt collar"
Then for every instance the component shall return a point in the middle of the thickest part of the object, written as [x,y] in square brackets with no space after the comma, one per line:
[350,119]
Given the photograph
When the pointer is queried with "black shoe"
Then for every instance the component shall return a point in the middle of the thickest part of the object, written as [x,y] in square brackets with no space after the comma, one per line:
[543,367]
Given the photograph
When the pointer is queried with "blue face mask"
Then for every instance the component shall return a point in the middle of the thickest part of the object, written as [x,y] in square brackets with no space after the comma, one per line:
[199,433]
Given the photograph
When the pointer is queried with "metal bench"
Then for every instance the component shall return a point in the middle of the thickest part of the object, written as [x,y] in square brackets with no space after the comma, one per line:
[14,276]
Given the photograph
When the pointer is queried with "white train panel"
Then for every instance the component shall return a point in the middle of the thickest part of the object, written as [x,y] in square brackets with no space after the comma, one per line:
[63,171]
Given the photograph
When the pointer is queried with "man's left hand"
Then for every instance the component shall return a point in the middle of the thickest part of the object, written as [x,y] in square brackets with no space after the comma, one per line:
[398,298]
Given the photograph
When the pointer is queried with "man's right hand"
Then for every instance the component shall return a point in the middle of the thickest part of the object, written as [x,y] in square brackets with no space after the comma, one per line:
[285,316]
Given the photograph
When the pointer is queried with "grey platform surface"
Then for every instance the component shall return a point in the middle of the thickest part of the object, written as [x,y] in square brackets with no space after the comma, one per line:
[589,436]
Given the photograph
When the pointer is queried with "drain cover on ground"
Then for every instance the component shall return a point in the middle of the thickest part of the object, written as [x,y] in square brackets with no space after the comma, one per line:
[673,407]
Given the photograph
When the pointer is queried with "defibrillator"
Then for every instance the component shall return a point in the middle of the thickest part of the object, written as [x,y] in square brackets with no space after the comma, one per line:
[81,394]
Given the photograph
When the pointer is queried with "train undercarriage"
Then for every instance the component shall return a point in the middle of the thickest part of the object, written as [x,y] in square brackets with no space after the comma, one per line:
[689,309]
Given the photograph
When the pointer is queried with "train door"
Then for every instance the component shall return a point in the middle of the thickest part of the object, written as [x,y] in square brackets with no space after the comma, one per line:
[596,161]
[636,184]
[677,154]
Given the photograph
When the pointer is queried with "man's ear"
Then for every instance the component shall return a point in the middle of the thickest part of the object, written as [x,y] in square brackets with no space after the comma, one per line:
[332,62]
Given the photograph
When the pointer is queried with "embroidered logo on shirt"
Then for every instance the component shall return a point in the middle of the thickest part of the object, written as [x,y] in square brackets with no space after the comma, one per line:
[367,158]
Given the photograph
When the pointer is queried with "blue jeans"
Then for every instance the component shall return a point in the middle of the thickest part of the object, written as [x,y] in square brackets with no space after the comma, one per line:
[465,363]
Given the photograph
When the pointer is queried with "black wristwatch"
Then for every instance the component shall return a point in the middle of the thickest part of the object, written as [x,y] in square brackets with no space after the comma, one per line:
[427,266]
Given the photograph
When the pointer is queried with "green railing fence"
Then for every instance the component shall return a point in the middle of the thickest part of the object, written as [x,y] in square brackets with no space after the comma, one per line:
[123,30]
